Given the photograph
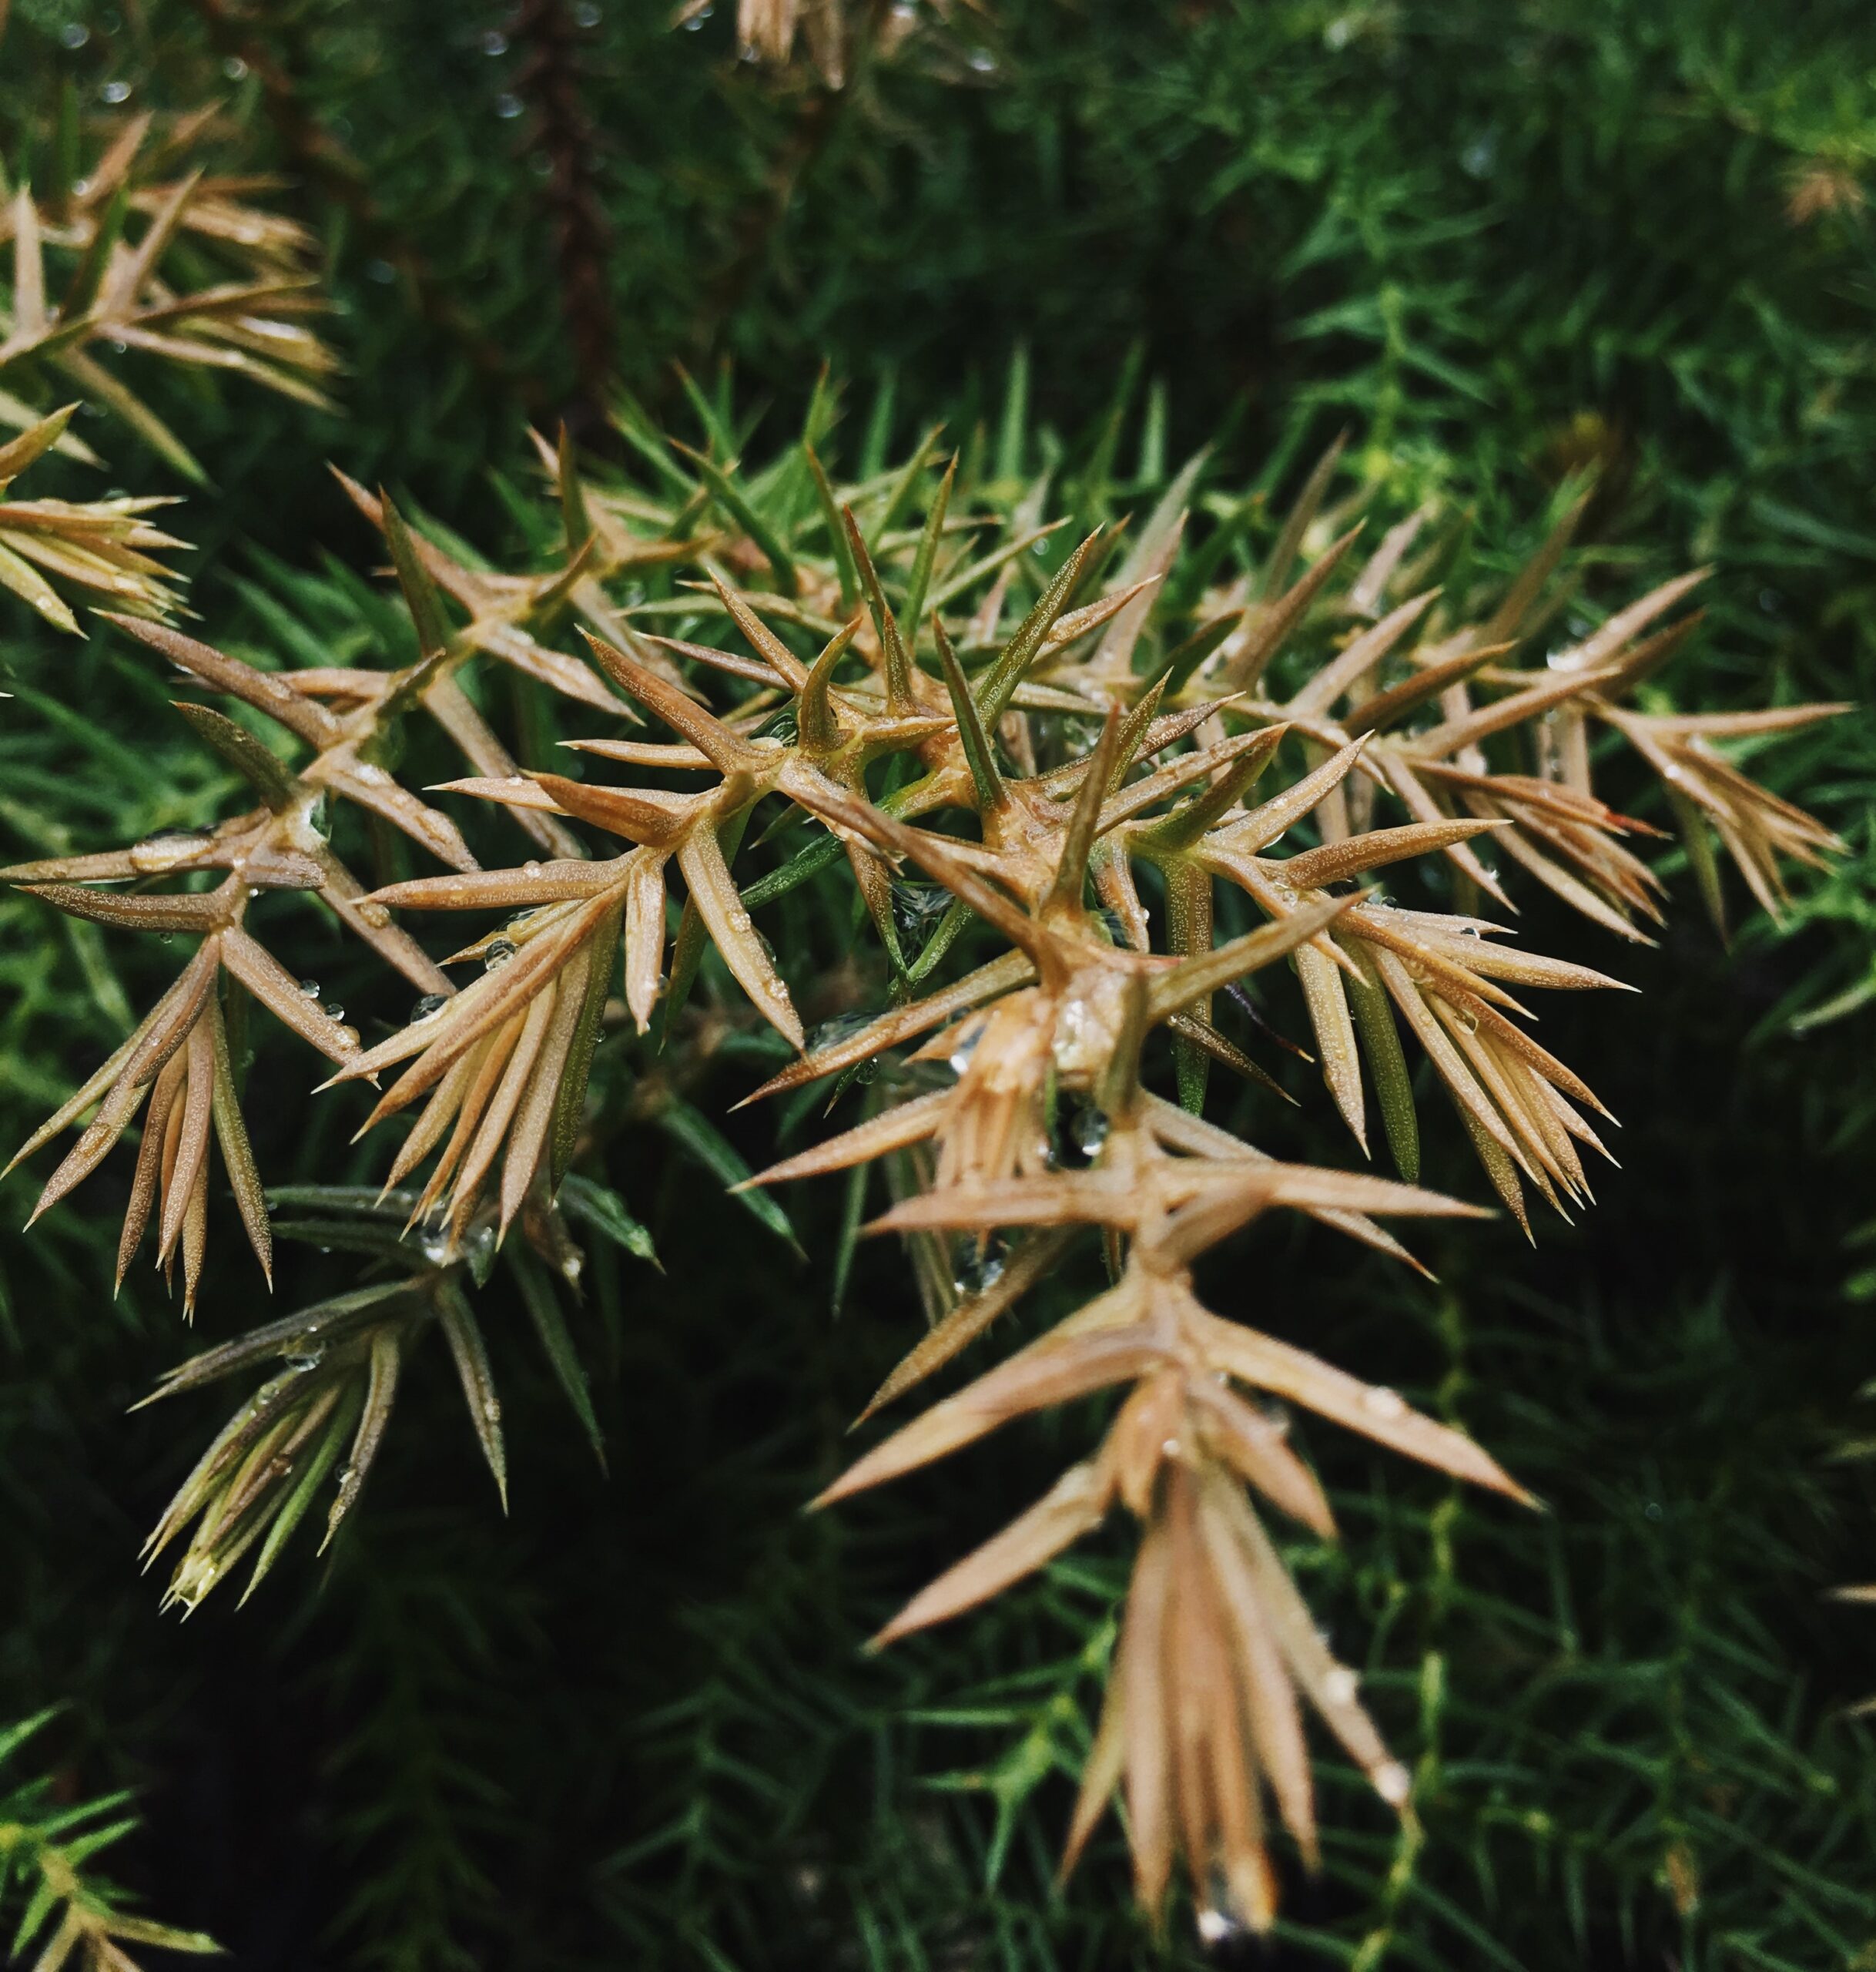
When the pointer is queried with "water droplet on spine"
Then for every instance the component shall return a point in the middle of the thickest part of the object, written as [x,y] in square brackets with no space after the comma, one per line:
[168,849]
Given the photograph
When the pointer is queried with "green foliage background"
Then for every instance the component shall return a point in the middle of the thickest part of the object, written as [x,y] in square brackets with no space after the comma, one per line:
[629,1725]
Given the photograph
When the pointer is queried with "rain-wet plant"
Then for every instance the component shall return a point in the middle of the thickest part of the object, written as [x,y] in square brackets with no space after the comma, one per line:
[1083,790]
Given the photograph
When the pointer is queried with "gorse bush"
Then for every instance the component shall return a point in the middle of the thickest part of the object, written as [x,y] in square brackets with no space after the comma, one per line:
[980,794]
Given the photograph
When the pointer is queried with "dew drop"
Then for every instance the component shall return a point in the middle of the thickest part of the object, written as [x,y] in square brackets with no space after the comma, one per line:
[333,1011]
[497,955]
[235,69]
[917,909]
[429,1006]
[842,1027]
[976,1270]
[1393,1783]
[376,915]
[494,42]
[479,1250]
[1380,1402]
[530,869]
[508,105]
[116,91]
[310,988]
[1480,156]
[168,849]
[74,35]
[1338,1688]
[1217,1926]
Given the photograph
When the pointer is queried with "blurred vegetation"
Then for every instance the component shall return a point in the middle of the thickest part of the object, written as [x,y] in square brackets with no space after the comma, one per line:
[1500,244]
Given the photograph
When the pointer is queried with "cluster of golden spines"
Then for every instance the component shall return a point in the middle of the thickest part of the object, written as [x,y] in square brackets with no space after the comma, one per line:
[1203,1716]
[103,550]
[92,267]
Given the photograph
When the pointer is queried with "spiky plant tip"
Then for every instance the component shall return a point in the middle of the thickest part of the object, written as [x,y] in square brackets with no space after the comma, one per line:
[1165,787]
